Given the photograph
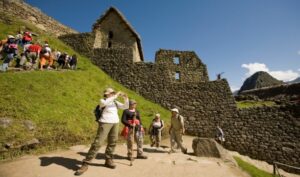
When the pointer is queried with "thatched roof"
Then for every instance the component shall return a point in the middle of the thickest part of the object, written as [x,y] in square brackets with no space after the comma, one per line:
[127,24]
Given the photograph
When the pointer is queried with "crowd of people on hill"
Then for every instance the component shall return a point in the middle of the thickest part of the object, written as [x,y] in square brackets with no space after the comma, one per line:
[21,51]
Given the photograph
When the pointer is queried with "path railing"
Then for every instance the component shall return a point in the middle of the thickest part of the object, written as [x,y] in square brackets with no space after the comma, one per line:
[276,169]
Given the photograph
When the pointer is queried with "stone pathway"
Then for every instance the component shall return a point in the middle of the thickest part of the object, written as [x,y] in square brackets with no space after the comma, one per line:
[159,163]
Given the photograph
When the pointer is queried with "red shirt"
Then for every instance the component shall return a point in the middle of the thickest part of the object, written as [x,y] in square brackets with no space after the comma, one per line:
[27,38]
[34,48]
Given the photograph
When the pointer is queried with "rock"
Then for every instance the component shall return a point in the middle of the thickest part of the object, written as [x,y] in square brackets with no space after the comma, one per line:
[30,144]
[40,26]
[29,125]
[32,19]
[204,147]
[5,122]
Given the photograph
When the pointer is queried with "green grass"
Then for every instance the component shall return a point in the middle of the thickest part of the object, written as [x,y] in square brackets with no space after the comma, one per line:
[251,169]
[249,104]
[60,103]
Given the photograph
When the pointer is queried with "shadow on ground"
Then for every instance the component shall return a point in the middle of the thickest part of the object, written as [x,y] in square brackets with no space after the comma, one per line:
[68,163]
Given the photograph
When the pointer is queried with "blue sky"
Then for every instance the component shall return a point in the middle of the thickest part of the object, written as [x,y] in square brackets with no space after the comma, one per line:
[237,37]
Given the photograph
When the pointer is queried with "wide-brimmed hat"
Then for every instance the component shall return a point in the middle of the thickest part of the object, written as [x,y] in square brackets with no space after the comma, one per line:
[131,102]
[10,37]
[175,110]
[108,91]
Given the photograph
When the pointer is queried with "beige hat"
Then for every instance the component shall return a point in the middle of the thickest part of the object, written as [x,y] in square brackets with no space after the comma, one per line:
[175,110]
[10,37]
[108,91]
[131,102]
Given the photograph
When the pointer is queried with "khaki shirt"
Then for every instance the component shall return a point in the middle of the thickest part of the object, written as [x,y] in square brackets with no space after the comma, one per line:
[177,123]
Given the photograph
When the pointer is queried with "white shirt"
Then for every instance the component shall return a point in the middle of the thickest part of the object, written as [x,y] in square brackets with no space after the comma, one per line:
[110,112]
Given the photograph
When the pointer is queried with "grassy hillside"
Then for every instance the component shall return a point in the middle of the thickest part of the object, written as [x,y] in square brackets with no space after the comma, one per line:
[60,103]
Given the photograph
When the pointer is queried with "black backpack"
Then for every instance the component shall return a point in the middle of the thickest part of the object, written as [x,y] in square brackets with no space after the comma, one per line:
[98,112]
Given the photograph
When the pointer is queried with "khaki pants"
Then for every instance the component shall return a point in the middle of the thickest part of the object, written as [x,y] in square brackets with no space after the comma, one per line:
[156,139]
[105,130]
[139,141]
[176,137]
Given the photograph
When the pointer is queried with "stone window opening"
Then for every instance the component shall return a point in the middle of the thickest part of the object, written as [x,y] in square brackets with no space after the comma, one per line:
[177,75]
[176,60]
[110,35]
[109,44]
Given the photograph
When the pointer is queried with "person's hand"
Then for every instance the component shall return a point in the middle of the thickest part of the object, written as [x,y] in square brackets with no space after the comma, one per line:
[183,131]
[124,95]
[118,93]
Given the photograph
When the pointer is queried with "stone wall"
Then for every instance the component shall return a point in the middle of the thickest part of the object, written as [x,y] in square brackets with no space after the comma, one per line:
[20,9]
[290,92]
[189,65]
[203,104]
[266,133]
[83,42]
[113,31]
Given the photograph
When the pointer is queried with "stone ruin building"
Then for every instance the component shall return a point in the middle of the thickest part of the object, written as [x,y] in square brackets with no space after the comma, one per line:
[180,79]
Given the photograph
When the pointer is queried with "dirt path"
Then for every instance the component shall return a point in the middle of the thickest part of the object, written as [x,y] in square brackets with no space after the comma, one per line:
[159,163]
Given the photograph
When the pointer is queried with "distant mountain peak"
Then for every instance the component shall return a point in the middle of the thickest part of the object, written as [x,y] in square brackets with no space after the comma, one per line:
[297,80]
[259,80]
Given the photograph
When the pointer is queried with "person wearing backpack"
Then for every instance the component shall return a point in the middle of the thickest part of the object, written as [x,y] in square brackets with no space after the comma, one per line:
[176,131]
[108,125]
[73,62]
[10,50]
[33,53]
[155,130]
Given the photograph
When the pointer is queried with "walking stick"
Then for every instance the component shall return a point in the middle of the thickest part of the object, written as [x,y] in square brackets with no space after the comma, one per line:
[133,132]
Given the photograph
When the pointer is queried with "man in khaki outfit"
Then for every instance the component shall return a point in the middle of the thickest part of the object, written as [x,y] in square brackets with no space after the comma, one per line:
[108,128]
[176,131]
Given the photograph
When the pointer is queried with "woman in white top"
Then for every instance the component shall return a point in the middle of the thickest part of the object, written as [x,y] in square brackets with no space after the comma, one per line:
[155,130]
[108,128]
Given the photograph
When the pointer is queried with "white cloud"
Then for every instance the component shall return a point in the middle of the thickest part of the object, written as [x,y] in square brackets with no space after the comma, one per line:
[254,67]
[287,75]
[234,88]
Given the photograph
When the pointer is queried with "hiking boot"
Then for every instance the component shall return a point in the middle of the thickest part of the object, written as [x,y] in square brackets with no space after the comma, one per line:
[82,169]
[109,163]
[141,156]
[171,151]
[130,158]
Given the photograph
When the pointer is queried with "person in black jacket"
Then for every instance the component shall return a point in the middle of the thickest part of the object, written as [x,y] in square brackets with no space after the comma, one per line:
[127,119]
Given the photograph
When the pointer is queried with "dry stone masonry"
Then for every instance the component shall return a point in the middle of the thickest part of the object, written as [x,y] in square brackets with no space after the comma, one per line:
[21,10]
[179,79]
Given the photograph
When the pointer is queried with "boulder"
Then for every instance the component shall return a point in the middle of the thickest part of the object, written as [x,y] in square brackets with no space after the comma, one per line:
[204,147]
[5,122]
[207,147]
[29,125]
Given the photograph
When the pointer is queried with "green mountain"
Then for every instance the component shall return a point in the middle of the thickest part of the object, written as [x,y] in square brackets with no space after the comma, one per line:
[59,103]
[259,80]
